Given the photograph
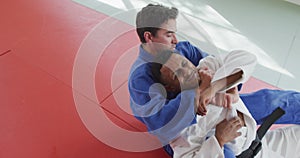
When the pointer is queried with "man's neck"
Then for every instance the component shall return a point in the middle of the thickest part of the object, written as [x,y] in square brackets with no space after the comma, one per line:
[148,49]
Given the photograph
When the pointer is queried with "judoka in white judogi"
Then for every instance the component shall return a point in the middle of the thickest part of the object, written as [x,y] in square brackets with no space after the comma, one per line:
[198,140]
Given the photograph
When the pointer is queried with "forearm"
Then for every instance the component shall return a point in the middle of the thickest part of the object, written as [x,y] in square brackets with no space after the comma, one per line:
[226,82]
[234,62]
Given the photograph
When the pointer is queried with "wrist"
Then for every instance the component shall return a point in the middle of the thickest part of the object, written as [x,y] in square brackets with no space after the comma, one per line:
[220,141]
[196,99]
[213,89]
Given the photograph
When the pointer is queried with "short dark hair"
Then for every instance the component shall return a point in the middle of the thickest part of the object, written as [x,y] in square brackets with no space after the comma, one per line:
[151,17]
[158,62]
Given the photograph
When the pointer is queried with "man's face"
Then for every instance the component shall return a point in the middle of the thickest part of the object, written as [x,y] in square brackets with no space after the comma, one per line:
[165,37]
[178,74]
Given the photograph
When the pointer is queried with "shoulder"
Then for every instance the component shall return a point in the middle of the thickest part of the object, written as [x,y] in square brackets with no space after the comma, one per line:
[191,52]
[140,69]
[186,48]
[183,45]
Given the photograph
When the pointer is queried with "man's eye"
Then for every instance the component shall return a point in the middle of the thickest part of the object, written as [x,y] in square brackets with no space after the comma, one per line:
[176,74]
[169,35]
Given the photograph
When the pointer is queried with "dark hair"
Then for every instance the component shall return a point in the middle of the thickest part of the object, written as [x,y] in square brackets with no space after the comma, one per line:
[159,61]
[151,17]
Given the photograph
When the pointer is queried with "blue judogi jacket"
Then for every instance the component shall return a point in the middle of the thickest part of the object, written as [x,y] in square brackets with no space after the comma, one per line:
[164,115]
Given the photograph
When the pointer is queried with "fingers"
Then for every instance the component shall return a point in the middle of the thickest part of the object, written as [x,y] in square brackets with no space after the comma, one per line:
[205,72]
[235,123]
[225,101]
[228,101]
[222,99]
[202,110]
[203,68]
[227,131]
[203,102]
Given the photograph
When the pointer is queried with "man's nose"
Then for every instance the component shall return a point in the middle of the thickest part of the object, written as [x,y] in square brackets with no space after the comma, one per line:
[174,41]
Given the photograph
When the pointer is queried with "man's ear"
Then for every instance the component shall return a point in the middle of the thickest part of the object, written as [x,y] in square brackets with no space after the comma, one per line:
[148,36]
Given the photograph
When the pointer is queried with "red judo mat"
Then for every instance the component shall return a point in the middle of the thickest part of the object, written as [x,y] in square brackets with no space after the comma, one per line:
[39,43]
[40,99]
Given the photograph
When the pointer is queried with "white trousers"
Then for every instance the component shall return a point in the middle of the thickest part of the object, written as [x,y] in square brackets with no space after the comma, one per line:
[281,143]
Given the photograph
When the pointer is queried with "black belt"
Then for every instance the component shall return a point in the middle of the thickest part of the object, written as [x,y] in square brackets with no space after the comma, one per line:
[255,146]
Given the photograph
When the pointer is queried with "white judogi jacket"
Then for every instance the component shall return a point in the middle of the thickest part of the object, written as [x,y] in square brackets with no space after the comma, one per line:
[199,140]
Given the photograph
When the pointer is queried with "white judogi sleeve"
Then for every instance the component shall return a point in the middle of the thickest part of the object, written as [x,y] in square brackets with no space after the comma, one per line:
[227,64]
[209,149]
[199,141]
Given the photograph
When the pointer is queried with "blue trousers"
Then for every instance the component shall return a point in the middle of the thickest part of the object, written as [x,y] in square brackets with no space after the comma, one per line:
[263,102]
